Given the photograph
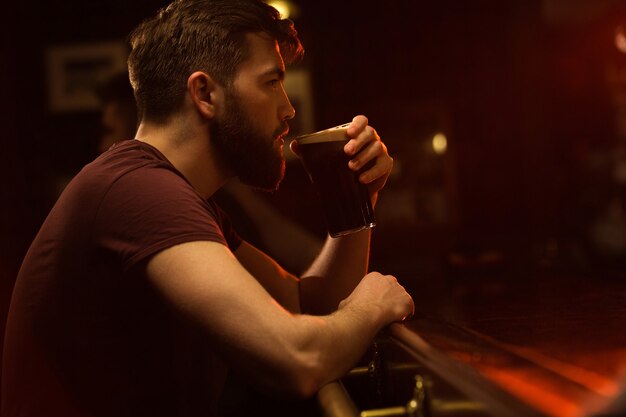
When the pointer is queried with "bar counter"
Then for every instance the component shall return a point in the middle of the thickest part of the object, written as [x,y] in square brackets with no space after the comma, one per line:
[554,346]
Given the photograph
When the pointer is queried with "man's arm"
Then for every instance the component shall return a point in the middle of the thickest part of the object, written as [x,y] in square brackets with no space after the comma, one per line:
[276,349]
[286,241]
[281,285]
[299,295]
[335,273]
[343,261]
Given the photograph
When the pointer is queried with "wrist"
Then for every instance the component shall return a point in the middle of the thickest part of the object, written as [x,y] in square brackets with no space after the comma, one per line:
[369,312]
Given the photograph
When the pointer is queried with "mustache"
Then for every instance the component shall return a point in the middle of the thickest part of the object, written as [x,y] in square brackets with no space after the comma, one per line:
[282,131]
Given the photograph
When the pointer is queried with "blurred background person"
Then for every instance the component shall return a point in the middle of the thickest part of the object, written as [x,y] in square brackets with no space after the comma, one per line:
[119,111]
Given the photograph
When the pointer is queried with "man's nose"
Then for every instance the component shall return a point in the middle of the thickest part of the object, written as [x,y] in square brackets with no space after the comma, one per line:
[288,112]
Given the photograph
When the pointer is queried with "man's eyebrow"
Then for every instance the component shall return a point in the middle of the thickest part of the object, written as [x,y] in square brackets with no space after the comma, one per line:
[277,71]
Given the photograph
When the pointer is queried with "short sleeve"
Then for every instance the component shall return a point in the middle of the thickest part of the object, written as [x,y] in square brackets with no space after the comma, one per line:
[152,208]
[232,237]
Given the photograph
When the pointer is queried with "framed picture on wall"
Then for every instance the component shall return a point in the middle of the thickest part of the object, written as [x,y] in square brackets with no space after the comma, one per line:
[75,71]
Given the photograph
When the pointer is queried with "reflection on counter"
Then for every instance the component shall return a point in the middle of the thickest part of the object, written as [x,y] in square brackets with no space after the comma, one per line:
[554,345]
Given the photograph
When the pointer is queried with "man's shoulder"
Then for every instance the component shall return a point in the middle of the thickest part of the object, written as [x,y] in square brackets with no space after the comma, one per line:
[126,156]
[121,160]
[126,174]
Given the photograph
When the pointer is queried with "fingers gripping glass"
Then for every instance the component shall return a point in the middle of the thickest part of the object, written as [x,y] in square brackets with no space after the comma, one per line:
[345,200]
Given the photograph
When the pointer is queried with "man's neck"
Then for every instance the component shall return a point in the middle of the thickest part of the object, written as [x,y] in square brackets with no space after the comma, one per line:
[186,145]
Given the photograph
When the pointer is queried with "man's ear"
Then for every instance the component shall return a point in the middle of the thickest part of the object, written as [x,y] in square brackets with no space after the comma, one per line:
[205,93]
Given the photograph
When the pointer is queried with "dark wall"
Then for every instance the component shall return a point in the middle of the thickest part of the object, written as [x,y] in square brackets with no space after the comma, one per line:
[12,224]
[526,101]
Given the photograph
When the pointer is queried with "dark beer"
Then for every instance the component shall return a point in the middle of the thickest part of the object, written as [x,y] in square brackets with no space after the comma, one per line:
[346,201]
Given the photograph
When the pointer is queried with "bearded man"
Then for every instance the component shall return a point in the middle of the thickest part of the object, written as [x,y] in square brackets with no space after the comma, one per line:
[137,294]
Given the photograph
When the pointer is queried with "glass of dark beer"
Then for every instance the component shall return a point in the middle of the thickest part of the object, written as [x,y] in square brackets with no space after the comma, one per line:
[345,200]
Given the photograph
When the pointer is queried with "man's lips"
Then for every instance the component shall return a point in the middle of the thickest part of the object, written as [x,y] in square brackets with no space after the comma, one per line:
[285,129]
[282,136]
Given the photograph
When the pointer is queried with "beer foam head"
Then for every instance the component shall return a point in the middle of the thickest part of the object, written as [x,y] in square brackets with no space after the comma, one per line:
[333,134]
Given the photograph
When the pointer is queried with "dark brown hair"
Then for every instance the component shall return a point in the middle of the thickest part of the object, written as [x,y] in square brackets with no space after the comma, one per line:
[198,35]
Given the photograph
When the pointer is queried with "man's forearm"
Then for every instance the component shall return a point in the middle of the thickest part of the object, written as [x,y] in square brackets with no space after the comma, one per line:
[340,266]
[334,344]
[329,346]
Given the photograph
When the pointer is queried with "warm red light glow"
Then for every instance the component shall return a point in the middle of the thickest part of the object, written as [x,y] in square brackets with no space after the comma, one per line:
[526,388]
[620,39]
[594,381]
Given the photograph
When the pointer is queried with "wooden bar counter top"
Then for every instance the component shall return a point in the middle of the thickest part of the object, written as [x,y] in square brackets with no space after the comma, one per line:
[552,346]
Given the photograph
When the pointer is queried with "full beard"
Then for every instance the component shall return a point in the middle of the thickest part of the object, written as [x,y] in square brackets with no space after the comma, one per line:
[257,160]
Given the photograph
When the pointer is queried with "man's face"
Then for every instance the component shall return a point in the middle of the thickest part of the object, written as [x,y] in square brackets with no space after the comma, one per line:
[250,131]
[257,159]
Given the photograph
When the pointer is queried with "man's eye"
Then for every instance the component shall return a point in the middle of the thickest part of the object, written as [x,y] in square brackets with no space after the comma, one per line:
[274,83]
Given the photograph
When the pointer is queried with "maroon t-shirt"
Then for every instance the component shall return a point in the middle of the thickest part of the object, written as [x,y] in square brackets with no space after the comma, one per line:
[87,334]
